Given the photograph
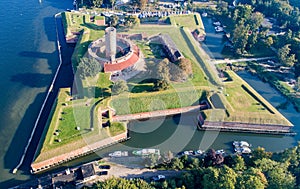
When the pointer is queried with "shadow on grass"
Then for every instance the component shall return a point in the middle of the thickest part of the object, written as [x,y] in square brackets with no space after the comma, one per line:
[140,88]
[96,92]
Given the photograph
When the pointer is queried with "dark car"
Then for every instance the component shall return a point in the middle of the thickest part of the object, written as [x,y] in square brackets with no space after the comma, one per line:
[103,173]
[104,166]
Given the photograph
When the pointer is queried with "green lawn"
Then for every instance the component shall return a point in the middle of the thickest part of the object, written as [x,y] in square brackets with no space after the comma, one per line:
[246,107]
[145,102]
[191,21]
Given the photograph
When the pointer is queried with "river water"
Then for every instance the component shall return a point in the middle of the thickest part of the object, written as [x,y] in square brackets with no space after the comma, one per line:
[28,61]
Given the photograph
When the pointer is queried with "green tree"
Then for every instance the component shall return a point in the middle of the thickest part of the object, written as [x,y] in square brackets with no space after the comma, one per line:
[151,161]
[210,178]
[119,87]
[260,153]
[176,164]
[252,178]
[278,175]
[114,19]
[242,12]
[88,67]
[269,41]
[285,57]
[240,37]
[132,21]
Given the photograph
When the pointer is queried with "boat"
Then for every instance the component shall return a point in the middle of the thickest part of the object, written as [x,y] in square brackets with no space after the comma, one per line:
[118,154]
[219,29]
[217,23]
[204,14]
[242,150]
[221,151]
[241,144]
[146,152]
[198,152]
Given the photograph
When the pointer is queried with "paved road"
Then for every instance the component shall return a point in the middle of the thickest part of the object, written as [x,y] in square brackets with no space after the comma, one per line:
[226,60]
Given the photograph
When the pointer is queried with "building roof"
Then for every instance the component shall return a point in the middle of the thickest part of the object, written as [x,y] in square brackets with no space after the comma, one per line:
[167,41]
[121,65]
[87,170]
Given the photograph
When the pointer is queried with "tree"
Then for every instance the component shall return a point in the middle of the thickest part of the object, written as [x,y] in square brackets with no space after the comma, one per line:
[88,67]
[285,57]
[242,12]
[119,87]
[278,175]
[252,178]
[114,19]
[139,3]
[132,21]
[240,37]
[177,74]
[151,161]
[160,85]
[298,84]
[176,164]
[269,41]
[168,156]
[162,75]
[186,65]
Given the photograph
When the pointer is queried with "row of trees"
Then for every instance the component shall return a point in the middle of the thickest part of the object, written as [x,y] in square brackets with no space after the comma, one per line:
[248,32]
[259,170]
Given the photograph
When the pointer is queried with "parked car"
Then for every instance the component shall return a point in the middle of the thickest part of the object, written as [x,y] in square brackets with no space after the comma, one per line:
[103,173]
[104,166]
[159,178]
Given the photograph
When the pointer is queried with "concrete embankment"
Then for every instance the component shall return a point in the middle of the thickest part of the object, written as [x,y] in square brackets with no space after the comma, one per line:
[88,149]
[246,127]
[158,113]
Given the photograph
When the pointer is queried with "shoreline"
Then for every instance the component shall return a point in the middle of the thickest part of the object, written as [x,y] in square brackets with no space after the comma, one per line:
[88,149]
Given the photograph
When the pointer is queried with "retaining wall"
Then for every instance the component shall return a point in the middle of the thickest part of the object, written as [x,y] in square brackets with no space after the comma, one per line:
[158,113]
[88,149]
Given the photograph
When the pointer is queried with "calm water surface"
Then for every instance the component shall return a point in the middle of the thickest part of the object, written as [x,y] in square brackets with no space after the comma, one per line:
[28,61]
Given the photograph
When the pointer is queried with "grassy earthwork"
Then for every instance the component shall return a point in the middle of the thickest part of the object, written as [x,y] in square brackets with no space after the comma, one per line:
[75,123]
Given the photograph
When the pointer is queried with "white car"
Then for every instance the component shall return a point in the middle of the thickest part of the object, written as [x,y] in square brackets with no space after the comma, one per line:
[159,178]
